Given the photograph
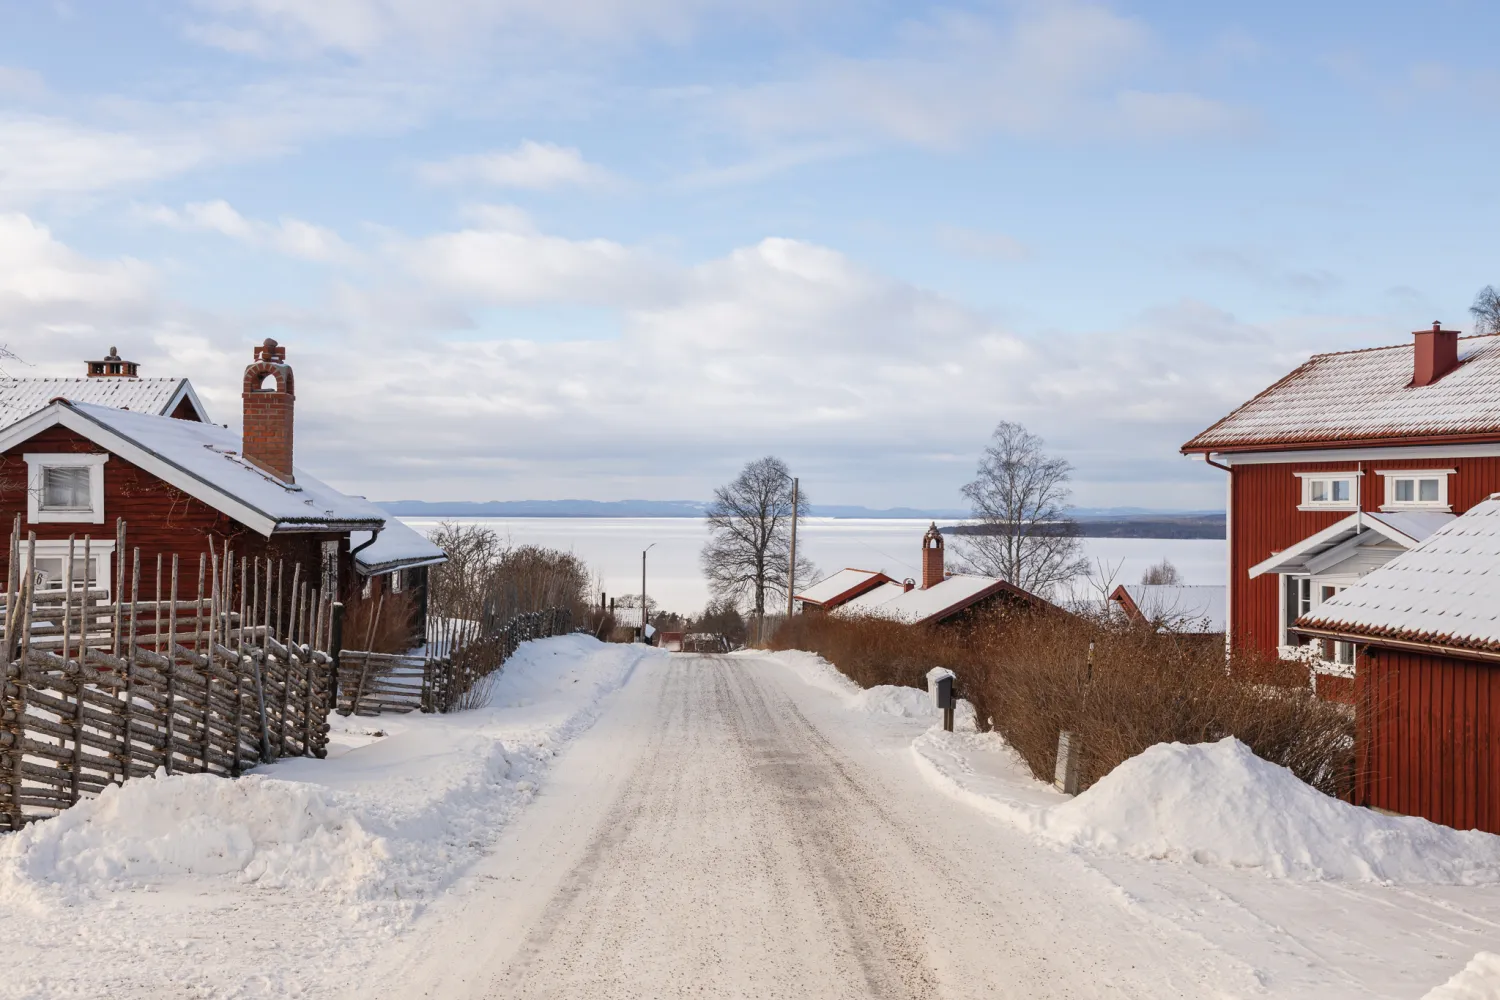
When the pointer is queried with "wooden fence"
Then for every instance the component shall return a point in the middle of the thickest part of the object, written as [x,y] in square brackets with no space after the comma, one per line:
[225,668]
[444,675]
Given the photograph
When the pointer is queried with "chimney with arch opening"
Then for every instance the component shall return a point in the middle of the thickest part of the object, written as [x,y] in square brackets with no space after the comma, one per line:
[270,399]
[933,570]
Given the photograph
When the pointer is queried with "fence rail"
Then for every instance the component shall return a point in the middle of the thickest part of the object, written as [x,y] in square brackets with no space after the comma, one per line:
[99,686]
[457,655]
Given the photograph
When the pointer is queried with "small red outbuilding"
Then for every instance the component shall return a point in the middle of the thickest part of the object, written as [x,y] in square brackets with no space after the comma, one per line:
[1426,628]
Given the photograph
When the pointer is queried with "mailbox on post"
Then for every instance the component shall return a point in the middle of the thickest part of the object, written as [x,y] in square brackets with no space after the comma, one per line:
[940,686]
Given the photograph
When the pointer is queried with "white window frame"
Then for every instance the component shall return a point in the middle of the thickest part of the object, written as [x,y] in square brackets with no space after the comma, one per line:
[396,587]
[36,462]
[101,552]
[1440,504]
[1308,478]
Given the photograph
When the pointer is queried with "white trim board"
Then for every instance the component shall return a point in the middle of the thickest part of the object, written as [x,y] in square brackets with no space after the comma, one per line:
[1358,454]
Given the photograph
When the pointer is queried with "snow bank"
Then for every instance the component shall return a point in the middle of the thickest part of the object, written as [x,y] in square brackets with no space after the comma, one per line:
[1479,980]
[1219,804]
[390,818]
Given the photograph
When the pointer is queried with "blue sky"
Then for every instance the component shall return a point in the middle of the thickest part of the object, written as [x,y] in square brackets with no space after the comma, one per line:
[531,249]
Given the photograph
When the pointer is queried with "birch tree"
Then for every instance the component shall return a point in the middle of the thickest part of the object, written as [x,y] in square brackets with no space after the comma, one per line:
[749,528]
[1021,531]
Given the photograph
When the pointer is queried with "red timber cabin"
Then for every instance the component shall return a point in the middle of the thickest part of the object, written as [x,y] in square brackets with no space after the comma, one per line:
[114,446]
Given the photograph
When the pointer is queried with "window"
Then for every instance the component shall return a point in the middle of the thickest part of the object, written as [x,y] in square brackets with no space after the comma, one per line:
[65,488]
[1420,488]
[395,581]
[52,562]
[1329,490]
[1298,603]
[331,571]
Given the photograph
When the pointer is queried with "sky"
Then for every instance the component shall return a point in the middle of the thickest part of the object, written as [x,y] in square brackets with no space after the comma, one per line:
[609,249]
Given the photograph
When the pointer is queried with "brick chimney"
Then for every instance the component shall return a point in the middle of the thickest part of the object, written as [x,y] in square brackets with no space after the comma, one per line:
[1436,354]
[269,401]
[932,557]
[112,366]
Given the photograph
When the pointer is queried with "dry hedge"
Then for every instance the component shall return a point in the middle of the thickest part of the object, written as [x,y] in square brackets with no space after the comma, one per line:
[1030,676]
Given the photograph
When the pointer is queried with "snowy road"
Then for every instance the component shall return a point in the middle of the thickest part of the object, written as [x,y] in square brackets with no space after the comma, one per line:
[708,838]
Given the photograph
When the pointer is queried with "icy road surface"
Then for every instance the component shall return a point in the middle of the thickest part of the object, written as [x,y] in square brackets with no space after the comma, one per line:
[708,838]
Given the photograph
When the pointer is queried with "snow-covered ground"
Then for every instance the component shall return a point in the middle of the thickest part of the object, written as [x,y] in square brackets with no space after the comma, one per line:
[290,880]
[620,822]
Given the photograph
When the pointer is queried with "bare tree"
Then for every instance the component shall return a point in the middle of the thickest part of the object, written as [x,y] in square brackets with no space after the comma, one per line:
[1486,310]
[1161,573]
[1019,500]
[749,528]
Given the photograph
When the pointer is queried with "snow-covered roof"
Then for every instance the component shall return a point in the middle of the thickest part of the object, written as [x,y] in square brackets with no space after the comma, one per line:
[937,602]
[1403,529]
[203,460]
[1194,608]
[22,396]
[834,590]
[872,598]
[398,546]
[1446,590]
[1358,396]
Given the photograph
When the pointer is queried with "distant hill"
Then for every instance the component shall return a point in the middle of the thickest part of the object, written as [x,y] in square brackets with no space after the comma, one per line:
[1095,522]
[1193,525]
[624,508]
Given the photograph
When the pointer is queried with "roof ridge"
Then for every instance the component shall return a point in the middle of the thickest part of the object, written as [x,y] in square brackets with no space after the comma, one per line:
[1393,347]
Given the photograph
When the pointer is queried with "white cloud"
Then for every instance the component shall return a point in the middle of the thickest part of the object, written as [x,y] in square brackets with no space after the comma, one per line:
[532,165]
[52,297]
[289,236]
[1053,70]
[43,156]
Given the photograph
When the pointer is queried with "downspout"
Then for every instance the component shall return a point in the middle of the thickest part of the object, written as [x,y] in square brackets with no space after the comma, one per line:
[1228,562]
[353,565]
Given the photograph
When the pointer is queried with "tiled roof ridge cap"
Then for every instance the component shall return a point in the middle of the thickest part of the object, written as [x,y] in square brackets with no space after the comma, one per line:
[1391,347]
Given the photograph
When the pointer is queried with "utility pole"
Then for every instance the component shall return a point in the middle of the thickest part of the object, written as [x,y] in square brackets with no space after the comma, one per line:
[643,589]
[791,570]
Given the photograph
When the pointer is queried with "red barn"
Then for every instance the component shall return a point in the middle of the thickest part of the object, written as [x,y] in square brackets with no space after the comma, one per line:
[72,468]
[1341,466]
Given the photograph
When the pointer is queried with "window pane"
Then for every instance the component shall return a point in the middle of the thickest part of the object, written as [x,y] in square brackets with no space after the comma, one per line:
[1403,491]
[1341,490]
[65,488]
[1429,490]
[1318,490]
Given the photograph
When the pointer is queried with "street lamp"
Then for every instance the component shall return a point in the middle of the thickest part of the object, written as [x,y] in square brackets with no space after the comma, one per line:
[648,548]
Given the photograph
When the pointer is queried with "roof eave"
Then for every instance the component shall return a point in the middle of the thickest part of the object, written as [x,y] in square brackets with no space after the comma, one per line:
[1490,653]
[1489,436]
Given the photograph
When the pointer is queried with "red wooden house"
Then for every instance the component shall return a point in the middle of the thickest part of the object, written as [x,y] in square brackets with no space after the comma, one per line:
[941,598]
[1426,630]
[71,468]
[1344,464]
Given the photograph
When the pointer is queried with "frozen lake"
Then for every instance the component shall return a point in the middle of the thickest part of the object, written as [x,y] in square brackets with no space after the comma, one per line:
[612,548]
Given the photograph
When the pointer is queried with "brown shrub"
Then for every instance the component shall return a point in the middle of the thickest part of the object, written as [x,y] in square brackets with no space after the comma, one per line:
[1031,676]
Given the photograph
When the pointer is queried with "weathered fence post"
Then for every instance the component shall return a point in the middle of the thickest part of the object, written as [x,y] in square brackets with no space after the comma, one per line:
[335,649]
[1069,750]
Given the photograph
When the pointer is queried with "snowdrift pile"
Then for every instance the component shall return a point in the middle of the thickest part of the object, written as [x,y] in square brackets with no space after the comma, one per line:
[1479,980]
[1218,803]
[389,820]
